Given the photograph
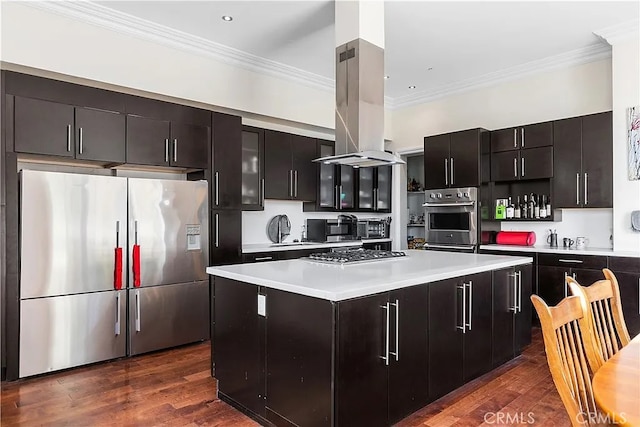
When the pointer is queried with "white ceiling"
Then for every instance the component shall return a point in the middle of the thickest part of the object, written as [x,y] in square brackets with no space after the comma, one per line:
[461,41]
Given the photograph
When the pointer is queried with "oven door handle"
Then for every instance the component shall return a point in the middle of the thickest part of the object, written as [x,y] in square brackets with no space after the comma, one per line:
[465,248]
[435,205]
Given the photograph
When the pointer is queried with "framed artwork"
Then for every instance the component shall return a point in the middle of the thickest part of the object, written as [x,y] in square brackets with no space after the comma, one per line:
[633,136]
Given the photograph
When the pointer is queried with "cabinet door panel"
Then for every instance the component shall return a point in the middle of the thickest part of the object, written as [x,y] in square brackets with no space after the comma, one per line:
[505,166]
[298,358]
[504,140]
[383,190]
[597,160]
[43,127]
[567,166]
[477,339]
[304,151]
[328,177]
[436,152]
[277,165]
[465,152]
[226,237]
[629,284]
[192,145]
[445,339]
[586,277]
[503,307]
[238,363]
[362,383]
[408,374]
[365,188]
[536,163]
[148,141]
[524,316]
[347,187]
[537,135]
[551,283]
[226,161]
[252,168]
[100,135]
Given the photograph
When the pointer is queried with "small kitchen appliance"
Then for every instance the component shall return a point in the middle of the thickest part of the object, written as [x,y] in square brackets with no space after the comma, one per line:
[343,228]
[373,228]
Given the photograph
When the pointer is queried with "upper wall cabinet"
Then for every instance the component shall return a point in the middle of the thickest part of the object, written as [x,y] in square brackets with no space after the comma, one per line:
[522,153]
[289,169]
[225,162]
[50,128]
[374,189]
[453,159]
[583,167]
[252,168]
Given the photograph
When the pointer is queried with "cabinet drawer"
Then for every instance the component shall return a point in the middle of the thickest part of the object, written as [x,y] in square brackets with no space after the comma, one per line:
[626,264]
[261,257]
[573,261]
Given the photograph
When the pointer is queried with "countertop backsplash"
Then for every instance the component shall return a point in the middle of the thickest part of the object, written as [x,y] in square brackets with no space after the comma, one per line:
[595,224]
[254,223]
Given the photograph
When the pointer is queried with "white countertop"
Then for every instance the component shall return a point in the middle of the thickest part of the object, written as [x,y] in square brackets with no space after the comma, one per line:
[573,251]
[341,282]
[290,246]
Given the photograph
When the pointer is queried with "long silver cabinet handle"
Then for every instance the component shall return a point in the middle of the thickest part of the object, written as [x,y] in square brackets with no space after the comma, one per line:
[217,231]
[470,285]
[337,204]
[386,338]
[515,167]
[217,176]
[514,308]
[522,166]
[262,192]
[464,309]
[396,353]
[577,189]
[572,261]
[586,182]
[175,150]
[118,313]
[166,150]
[522,137]
[69,138]
[519,273]
[290,183]
[515,138]
[137,311]
[452,173]
[446,171]
[81,140]
[565,283]
[340,196]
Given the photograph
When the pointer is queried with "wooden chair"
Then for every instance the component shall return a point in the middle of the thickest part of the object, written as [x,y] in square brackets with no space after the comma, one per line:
[605,313]
[569,355]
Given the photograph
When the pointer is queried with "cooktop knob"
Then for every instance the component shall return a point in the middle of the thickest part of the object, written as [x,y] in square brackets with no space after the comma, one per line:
[459,195]
[439,195]
[466,195]
[432,195]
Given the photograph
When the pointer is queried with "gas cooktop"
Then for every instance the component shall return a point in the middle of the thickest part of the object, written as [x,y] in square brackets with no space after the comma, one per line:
[354,256]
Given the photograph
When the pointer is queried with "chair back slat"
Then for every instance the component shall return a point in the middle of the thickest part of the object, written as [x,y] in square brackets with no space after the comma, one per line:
[570,348]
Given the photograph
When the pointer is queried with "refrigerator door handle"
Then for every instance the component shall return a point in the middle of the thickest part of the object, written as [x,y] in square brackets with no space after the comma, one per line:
[117,313]
[137,311]
[117,268]
[136,257]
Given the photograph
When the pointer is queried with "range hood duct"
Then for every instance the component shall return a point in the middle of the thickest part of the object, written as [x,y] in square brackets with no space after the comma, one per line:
[360,107]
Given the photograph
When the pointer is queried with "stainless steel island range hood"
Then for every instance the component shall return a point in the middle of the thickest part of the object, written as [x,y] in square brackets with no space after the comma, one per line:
[359,103]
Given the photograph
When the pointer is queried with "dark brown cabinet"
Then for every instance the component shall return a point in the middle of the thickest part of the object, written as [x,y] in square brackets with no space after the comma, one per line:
[529,136]
[459,332]
[50,128]
[289,171]
[252,169]
[627,272]
[554,268]
[583,167]
[453,159]
[226,172]
[374,189]
[530,163]
[148,141]
[226,237]
[336,185]
[189,145]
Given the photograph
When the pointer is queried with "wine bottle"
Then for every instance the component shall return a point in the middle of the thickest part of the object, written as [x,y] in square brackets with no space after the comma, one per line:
[543,206]
[525,208]
[549,213]
[532,206]
[516,211]
[510,209]
[536,207]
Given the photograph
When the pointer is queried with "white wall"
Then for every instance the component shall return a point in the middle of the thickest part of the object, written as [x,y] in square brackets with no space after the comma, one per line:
[574,91]
[626,93]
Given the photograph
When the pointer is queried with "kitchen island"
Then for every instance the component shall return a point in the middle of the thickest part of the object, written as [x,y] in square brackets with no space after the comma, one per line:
[298,342]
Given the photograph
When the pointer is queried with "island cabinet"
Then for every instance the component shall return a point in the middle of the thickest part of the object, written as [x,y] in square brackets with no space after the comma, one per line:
[459,332]
[627,272]
[512,311]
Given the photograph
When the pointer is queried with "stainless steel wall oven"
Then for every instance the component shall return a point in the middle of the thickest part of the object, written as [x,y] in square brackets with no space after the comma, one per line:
[451,219]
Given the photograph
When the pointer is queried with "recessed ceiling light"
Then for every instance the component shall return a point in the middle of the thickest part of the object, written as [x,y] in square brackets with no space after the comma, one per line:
[412,87]
[227,18]
[386,77]
[430,68]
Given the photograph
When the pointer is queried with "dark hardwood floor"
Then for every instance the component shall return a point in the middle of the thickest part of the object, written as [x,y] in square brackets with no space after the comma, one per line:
[174,388]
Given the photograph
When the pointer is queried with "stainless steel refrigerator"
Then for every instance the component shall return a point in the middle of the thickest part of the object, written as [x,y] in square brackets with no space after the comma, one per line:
[77,276]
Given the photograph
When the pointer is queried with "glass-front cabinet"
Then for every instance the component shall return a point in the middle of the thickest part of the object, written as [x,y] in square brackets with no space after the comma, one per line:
[336,189]
[374,188]
[252,168]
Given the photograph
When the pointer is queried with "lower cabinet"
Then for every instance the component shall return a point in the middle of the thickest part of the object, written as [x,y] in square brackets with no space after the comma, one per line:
[627,272]
[459,332]
[226,237]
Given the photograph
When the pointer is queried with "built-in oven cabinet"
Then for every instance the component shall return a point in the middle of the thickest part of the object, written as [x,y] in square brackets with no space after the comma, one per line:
[453,159]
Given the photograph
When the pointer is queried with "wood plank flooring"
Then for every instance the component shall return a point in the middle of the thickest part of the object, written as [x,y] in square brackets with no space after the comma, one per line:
[174,388]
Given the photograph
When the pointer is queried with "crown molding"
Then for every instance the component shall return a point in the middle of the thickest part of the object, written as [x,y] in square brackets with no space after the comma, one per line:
[563,60]
[620,32]
[124,23]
